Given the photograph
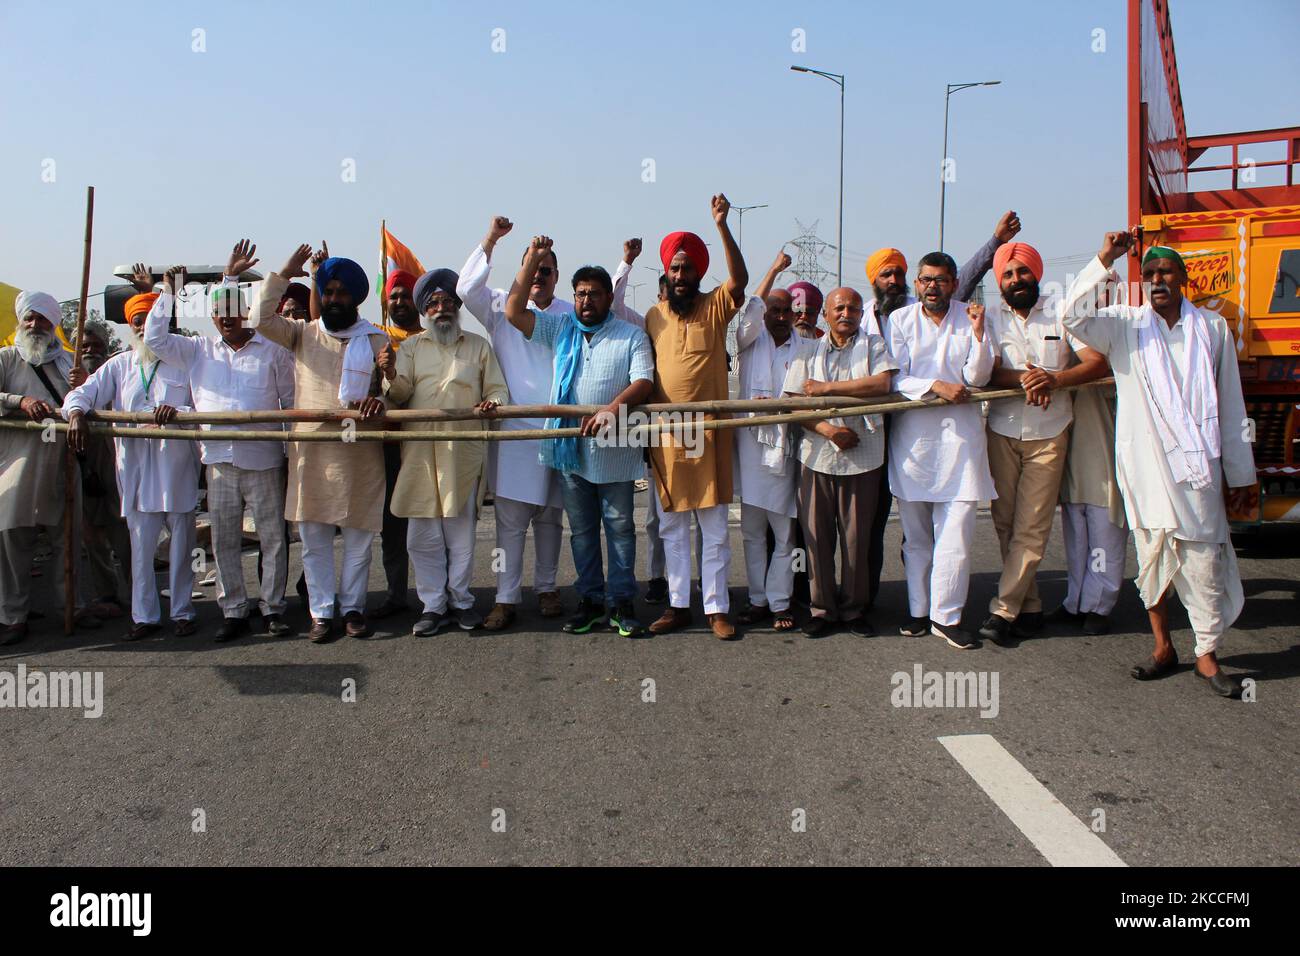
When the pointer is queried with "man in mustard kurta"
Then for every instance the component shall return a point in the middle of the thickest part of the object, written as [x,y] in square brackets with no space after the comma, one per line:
[689,333]
[336,484]
[440,485]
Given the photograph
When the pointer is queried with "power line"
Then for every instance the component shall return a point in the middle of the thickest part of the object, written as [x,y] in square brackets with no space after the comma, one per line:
[809,249]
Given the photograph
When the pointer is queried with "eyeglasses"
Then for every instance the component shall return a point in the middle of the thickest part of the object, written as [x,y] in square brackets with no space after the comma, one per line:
[934,280]
[584,294]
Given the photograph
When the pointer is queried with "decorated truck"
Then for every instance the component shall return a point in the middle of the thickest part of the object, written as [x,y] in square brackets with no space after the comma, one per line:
[1230,204]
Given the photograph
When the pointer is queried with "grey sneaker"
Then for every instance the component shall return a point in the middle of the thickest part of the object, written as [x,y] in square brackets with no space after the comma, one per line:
[467,618]
[429,624]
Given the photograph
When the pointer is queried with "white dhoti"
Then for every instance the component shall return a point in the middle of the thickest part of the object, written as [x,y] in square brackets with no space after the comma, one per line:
[936,556]
[770,583]
[323,588]
[145,527]
[1204,575]
[715,556]
[442,554]
[513,518]
[1094,556]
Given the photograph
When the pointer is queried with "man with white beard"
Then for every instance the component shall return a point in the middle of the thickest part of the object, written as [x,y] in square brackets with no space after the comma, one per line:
[440,487]
[158,480]
[33,380]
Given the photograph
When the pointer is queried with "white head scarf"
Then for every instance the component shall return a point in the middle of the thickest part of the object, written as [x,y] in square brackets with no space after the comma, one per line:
[42,303]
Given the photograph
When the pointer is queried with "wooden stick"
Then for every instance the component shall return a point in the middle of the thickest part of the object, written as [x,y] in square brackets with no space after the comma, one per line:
[383,273]
[364,434]
[850,406]
[70,470]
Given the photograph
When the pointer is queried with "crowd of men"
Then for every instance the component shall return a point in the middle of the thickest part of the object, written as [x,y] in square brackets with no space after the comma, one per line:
[1155,456]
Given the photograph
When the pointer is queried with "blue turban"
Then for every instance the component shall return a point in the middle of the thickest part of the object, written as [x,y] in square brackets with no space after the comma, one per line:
[439,280]
[346,271]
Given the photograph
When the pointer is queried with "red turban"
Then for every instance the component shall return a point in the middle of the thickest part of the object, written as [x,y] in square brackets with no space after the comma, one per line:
[688,242]
[807,297]
[139,303]
[399,277]
[1023,253]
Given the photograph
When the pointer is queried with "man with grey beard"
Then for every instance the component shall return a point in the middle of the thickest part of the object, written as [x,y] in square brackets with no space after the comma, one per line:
[440,487]
[33,380]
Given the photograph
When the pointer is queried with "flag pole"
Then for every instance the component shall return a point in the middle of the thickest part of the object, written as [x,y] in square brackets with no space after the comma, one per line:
[383,271]
[70,460]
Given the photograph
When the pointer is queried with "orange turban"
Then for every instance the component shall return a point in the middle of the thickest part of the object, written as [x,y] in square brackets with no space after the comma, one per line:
[882,258]
[139,303]
[1023,253]
[688,242]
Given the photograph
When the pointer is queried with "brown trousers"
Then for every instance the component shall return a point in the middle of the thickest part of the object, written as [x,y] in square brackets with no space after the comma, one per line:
[1027,478]
[839,507]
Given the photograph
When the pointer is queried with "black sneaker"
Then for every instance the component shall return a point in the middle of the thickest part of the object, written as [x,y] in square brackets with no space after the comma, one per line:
[590,615]
[1028,624]
[996,629]
[656,591]
[955,636]
[816,627]
[624,621]
[861,627]
[915,627]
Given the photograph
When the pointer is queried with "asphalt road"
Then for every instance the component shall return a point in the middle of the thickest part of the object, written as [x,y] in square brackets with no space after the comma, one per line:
[533,747]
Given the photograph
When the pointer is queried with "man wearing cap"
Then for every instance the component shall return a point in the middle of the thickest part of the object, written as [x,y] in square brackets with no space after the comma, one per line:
[440,487]
[887,273]
[1181,436]
[158,480]
[689,336]
[525,492]
[33,381]
[333,485]
[403,322]
[1028,438]
[239,370]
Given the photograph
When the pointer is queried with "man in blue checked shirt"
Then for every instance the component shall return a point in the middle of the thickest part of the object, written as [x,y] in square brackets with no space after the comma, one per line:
[599,360]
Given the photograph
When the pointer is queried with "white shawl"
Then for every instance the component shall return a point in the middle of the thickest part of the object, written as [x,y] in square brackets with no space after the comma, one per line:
[358,360]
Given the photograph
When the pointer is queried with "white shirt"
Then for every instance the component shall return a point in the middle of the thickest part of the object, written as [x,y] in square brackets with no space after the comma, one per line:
[152,476]
[516,472]
[871,316]
[1153,501]
[939,454]
[257,377]
[756,485]
[1040,340]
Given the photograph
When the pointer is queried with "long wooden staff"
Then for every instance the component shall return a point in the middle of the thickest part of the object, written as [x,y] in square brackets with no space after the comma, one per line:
[70,474]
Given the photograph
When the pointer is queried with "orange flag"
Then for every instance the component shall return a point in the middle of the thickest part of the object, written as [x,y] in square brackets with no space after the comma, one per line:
[400,257]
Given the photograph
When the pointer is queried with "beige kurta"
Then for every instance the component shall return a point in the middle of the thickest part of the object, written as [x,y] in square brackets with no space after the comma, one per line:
[31,471]
[691,366]
[338,483]
[1089,477]
[436,477]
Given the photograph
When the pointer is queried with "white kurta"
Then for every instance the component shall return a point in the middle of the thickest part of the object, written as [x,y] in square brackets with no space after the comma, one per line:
[939,454]
[756,484]
[152,476]
[516,472]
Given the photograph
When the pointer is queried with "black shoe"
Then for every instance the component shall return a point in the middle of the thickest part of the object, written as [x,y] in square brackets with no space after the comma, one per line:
[861,627]
[1096,624]
[1028,624]
[1062,616]
[656,591]
[996,629]
[816,627]
[1221,684]
[13,633]
[388,609]
[915,627]
[955,636]
[624,621]
[275,625]
[430,623]
[590,615]
[231,628]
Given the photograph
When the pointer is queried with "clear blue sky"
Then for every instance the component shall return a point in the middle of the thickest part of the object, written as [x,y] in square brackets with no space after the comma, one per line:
[190,151]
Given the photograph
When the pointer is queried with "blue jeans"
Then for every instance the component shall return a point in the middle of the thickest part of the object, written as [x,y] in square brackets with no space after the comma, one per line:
[587,504]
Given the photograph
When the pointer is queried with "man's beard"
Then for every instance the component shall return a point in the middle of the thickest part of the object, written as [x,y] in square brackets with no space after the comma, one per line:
[35,347]
[682,304]
[142,351]
[337,317]
[1021,295]
[91,363]
[404,316]
[806,330]
[887,302]
[445,331]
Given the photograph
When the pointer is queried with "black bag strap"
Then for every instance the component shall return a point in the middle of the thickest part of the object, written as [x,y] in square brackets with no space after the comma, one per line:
[49,386]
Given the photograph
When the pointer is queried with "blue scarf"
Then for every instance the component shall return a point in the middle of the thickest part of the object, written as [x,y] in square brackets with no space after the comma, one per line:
[562,453]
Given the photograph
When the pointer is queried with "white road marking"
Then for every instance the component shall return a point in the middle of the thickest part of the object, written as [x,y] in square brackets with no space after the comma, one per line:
[1054,831]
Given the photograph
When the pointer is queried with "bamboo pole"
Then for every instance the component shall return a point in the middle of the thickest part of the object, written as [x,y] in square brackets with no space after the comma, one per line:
[850,406]
[891,406]
[70,471]
[383,274]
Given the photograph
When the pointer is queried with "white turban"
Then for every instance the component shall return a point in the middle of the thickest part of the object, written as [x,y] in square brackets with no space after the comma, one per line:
[41,303]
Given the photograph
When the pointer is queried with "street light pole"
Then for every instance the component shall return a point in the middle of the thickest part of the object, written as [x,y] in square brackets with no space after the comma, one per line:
[838,80]
[740,222]
[943,167]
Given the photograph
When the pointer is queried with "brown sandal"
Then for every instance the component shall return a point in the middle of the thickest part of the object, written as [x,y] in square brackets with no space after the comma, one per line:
[782,621]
